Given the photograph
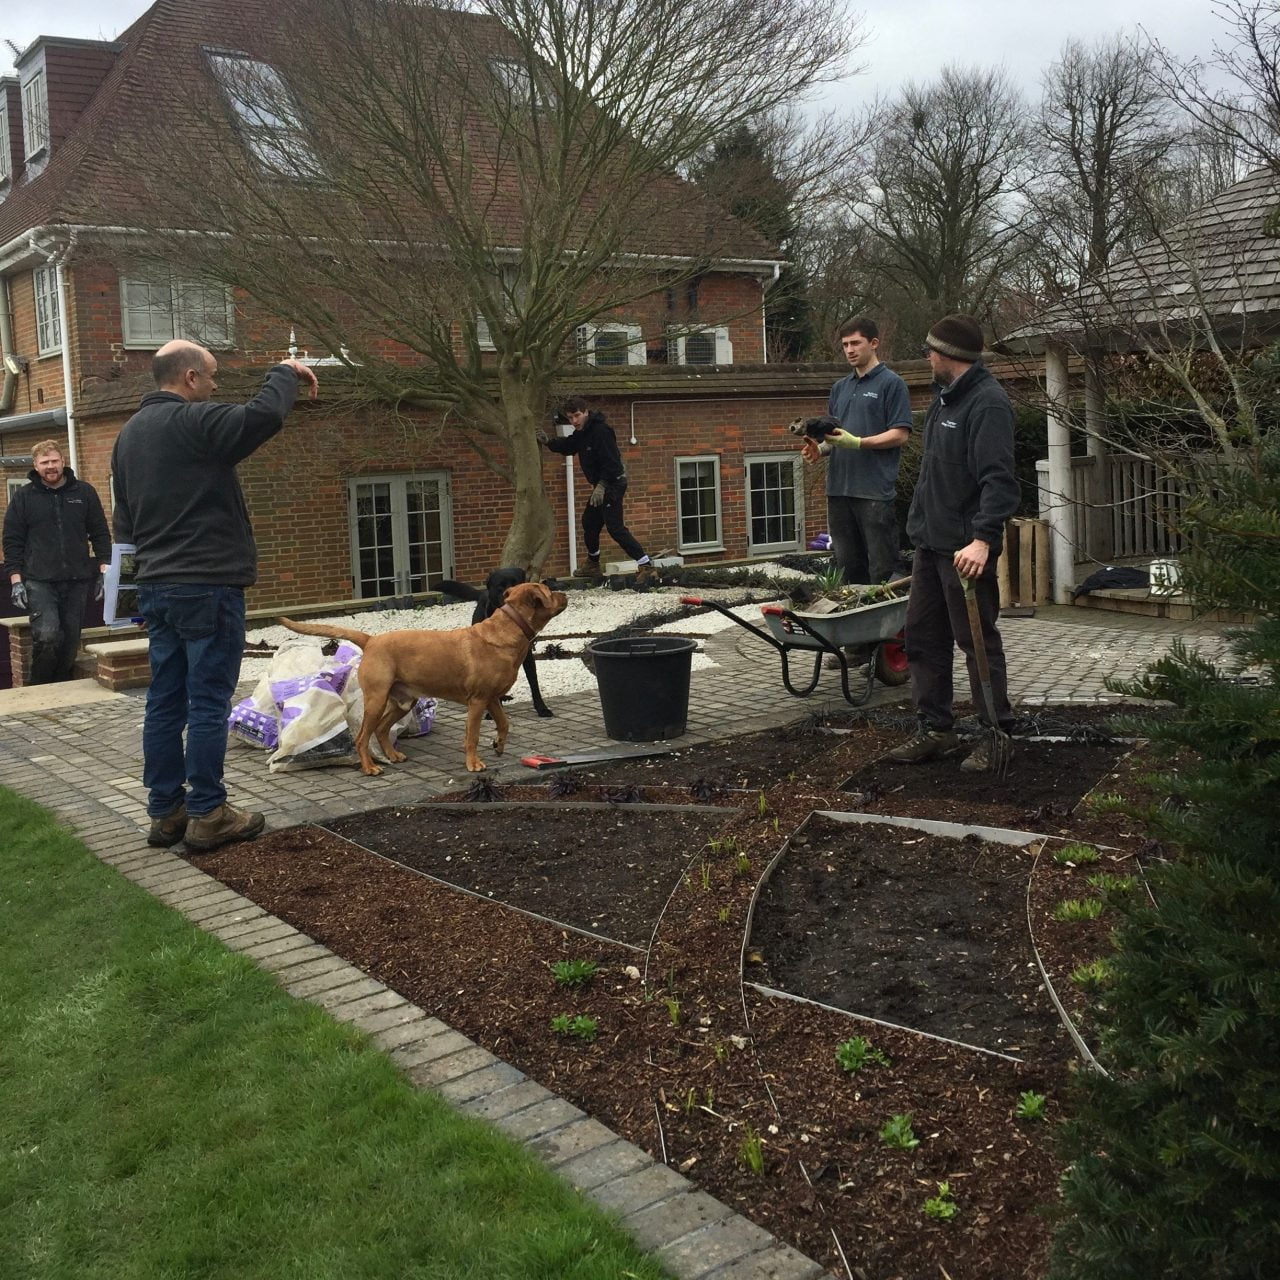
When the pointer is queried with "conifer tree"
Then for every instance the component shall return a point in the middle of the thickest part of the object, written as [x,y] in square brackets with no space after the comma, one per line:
[1176,1151]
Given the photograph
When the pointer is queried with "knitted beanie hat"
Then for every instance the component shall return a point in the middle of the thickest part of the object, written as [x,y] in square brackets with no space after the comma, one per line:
[958,337]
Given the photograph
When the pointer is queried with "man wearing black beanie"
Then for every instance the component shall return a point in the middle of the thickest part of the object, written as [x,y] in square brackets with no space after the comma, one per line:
[967,489]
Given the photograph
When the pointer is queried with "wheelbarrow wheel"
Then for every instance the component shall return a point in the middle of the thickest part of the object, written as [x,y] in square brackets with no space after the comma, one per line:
[891,661]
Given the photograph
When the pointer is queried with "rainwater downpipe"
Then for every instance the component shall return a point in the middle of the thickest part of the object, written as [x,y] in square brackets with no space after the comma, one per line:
[56,260]
[6,349]
[564,429]
[765,286]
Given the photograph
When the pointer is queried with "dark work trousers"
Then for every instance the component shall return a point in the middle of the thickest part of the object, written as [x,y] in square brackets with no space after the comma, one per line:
[864,538]
[936,621]
[56,610]
[609,516]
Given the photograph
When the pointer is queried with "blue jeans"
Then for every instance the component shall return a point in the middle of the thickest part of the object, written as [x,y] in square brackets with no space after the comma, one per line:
[196,635]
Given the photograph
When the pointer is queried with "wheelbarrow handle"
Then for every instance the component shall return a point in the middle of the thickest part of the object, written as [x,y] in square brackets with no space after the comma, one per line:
[695,600]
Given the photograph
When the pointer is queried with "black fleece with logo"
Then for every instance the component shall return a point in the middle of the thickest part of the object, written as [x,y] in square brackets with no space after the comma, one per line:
[968,486]
[47,532]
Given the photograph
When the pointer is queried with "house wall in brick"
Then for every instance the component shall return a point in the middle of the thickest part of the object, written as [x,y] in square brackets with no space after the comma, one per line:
[40,386]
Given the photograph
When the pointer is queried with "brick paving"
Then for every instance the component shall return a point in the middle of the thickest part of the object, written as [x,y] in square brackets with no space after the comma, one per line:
[82,761]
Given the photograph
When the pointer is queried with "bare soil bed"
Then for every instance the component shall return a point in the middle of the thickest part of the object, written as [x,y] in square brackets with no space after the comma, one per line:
[689,1063]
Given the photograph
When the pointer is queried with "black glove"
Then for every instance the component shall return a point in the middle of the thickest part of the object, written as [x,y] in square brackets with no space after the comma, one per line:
[597,495]
[100,587]
[543,438]
[18,594]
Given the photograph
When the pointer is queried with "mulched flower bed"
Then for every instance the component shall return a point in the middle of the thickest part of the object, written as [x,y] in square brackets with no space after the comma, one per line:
[739,1090]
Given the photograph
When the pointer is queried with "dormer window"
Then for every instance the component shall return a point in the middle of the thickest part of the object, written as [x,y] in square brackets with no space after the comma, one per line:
[35,114]
[6,163]
[266,116]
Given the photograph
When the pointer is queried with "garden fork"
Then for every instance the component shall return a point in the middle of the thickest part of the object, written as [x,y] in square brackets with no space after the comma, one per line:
[999,744]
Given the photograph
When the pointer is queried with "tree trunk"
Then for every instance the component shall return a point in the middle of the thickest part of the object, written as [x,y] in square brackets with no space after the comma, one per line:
[524,399]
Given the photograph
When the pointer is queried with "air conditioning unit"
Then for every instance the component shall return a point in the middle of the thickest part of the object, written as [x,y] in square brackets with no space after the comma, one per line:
[606,345]
[700,346]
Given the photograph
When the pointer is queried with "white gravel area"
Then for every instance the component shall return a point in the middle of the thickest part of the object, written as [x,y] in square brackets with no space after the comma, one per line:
[590,613]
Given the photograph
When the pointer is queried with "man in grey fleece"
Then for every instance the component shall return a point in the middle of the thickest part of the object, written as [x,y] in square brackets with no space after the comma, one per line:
[967,489]
[179,502]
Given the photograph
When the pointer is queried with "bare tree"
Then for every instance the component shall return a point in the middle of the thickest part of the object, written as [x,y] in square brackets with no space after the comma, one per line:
[1106,131]
[938,205]
[450,193]
[1233,94]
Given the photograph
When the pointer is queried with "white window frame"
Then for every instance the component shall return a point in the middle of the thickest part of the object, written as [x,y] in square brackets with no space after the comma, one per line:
[398,483]
[677,345]
[44,285]
[774,548]
[149,336]
[35,114]
[6,147]
[586,339]
[266,115]
[12,484]
[717,543]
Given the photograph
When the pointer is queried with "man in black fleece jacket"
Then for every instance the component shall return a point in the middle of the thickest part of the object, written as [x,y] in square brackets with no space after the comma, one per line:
[48,527]
[597,449]
[967,489]
[179,502]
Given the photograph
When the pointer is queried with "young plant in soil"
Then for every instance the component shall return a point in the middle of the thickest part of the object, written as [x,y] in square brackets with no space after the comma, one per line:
[942,1207]
[1031,1106]
[858,1052]
[751,1152]
[578,1026]
[1075,855]
[574,973]
[897,1132]
[1071,910]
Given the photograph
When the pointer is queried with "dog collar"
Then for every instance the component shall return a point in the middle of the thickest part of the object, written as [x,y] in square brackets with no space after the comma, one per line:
[518,620]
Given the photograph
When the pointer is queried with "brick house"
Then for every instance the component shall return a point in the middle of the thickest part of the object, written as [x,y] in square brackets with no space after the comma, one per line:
[348,503]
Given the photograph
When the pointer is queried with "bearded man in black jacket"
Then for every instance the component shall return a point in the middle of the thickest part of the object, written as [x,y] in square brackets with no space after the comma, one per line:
[48,527]
[179,502]
[967,489]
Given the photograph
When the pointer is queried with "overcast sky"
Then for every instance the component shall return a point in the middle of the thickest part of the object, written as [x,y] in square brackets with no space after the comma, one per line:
[908,41]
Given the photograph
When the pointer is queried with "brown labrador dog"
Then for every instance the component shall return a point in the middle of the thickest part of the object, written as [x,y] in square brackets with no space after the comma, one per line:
[474,666]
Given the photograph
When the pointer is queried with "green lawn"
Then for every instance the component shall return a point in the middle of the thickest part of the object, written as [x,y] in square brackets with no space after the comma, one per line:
[167,1111]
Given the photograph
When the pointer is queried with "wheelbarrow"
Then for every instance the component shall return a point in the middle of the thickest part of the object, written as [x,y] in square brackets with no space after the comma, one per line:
[874,629]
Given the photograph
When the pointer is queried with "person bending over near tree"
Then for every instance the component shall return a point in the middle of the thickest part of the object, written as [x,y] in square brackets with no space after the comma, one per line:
[597,449]
[48,527]
[873,407]
[967,489]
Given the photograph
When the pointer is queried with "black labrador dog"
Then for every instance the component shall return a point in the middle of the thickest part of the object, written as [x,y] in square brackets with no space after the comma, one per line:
[487,599]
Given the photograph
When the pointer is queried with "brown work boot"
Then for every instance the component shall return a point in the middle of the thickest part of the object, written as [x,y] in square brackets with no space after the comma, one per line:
[982,758]
[222,826]
[646,575]
[168,829]
[590,569]
[928,744]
